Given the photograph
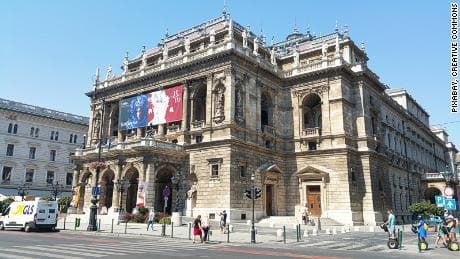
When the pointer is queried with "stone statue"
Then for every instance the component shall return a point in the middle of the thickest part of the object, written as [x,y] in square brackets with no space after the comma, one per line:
[256,46]
[125,65]
[220,99]
[109,74]
[187,45]
[272,56]
[238,104]
[324,50]
[245,38]
[296,57]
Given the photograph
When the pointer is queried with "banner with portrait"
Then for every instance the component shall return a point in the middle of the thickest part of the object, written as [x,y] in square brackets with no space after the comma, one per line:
[158,107]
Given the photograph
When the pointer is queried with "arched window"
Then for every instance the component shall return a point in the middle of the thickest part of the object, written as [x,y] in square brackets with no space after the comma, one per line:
[52,135]
[15,129]
[199,104]
[75,138]
[37,130]
[56,136]
[71,138]
[10,127]
[311,108]
[32,130]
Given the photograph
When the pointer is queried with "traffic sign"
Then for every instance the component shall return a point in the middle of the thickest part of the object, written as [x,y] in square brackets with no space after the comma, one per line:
[450,204]
[96,191]
[448,192]
[439,201]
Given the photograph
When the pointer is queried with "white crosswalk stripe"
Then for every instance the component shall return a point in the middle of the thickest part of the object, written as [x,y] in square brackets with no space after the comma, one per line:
[101,250]
[344,245]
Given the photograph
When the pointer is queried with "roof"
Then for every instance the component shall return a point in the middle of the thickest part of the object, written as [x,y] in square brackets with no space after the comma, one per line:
[42,112]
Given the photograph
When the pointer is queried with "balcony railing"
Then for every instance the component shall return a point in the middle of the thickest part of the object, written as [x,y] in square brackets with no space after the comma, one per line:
[198,124]
[173,129]
[142,142]
[432,176]
[311,132]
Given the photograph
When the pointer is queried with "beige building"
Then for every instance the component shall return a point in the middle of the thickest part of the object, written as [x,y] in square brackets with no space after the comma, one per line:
[306,115]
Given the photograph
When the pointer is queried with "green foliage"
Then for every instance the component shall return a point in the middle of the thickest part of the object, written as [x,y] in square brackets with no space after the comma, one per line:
[425,209]
[143,210]
[64,203]
[5,203]
[47,198]
[165,220]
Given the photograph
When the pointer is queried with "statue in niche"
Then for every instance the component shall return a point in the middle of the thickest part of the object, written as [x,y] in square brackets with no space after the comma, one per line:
[220,101]
[239,104]
[109,74]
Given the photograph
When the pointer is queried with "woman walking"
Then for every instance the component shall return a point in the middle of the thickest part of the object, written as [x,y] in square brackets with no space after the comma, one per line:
[205,227]
[197,228]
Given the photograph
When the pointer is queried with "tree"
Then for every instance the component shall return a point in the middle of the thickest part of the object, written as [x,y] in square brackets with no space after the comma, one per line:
[425,209]
[64,203]
[5,203]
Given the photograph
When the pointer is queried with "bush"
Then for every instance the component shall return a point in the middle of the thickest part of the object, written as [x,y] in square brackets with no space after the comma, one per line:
[425,209]
[165,220]
[5,203]
[64,203]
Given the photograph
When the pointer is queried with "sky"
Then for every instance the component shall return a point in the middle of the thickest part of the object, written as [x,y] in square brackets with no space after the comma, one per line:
[50,50]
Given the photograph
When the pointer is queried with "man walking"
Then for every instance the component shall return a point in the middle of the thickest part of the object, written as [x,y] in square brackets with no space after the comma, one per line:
[223,221]
[151,220]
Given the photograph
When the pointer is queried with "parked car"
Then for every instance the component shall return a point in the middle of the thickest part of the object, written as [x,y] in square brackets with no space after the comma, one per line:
[433,220]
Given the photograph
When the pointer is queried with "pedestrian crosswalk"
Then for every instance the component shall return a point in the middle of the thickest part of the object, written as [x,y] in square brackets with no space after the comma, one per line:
[350,245]
[176,247]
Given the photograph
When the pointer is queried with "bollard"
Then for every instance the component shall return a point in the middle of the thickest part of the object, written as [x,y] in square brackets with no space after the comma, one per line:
[163,229]
[400,239]
[111,230]
[209,235]
[319,224]
[126,225]
[99,225]
[284,234]
[75,225]
[189,231]
[297,232]
[172,229]
[64,222]
[228,233]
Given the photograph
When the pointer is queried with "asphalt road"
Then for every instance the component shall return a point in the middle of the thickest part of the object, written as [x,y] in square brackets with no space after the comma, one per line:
[71,245]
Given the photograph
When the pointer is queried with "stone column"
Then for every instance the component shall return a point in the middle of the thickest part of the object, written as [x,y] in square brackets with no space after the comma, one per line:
[185,108]
[150,192]
[76,174]
[161,129]
[229,96]
[116,193]
[192,117]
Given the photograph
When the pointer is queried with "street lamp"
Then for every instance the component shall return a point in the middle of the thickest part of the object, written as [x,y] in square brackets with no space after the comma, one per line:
[121,185]
[56,189]
[23,190]
[253,194]
[92,226]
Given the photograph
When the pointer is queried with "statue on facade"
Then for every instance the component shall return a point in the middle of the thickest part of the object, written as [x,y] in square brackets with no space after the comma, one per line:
[109,74]
[256,46]
[187,45]
[125,64]
[244,34]
[324,50]
[239,104]
[220,99]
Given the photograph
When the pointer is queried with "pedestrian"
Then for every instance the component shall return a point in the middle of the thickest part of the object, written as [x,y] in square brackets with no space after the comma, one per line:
[390,223]
[305,215]
[151,220]
[442,228]
[223,221]
[421,229]
[197,228]
[205,227]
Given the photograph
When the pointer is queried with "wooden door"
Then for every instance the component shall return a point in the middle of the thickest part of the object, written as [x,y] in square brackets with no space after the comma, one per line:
[269,200]
[314,200]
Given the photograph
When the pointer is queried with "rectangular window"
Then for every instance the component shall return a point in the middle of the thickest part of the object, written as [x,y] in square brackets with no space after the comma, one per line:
[50,177]
[29,175]
[52,155]
[32,151]
[6,174]
[10,150]
[70,157]
[52,135]
[242,171]
[215,170]
[69,179]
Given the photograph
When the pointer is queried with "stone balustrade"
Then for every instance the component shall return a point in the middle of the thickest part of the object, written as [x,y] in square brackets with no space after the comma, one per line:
[311,132]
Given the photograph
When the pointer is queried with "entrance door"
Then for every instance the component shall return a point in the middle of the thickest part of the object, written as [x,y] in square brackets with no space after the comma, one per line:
[314,200]
[269,200]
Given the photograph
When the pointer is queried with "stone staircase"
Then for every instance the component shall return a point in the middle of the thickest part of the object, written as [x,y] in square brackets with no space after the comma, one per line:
[288,221]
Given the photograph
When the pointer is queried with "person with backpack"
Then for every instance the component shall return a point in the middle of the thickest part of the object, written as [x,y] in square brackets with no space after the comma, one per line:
[442,232]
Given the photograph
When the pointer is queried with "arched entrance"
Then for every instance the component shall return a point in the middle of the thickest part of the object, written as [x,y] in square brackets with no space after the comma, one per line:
[271,179]
[162,182]
[313,180]
[132,176]
[430,193]
[105,201]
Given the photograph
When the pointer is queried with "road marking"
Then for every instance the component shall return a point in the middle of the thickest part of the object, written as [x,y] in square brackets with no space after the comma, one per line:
[11,256]
[22,251]
[374,248]
[71,250]
[321,243]
[271,253]
[103,248]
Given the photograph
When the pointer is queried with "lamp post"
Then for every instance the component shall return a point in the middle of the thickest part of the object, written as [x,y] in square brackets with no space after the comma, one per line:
[92,225]
[253,194]
[23,190]
[56,189]
[121,185]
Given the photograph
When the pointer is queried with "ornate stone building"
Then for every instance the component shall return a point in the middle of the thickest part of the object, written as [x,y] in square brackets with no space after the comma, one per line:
[36,148]
[306,115]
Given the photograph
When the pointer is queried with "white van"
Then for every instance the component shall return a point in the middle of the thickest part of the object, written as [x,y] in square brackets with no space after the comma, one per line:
[28,215]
